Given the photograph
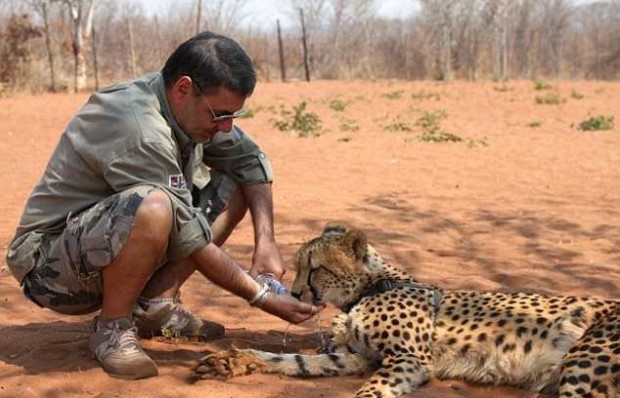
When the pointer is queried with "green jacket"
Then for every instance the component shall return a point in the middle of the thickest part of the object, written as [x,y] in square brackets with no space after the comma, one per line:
[124,136]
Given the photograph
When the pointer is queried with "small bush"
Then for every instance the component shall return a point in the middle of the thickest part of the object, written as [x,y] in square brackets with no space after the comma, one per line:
[299,120]
[541,85]
[249,113]
[424,95]
[394,95]
[431,131]
[439,136]
[534,124]
[502,89]
[597,123]
[477,143]
[576,95]
[429,121]
[552,98]
[338,105]
[349,125]
[398,126]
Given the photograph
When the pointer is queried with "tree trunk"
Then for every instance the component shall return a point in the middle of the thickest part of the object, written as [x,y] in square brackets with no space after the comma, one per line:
[198,15]
[132,53]
[95,64]
[281,53]
[48,46]
[81,26]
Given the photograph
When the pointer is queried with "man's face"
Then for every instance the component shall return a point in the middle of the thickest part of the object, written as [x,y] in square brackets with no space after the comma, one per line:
[195,111]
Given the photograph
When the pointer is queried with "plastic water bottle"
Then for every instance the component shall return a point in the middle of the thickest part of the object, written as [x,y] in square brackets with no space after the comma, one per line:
[274,285]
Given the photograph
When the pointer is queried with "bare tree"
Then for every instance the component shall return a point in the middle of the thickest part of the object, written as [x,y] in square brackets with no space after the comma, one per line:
[442,39]
[600,25]
[224,15]
[81,15]
[497,15]
[523,38]
[42,8]
[132,51]
[198,15]
[15,52]
[439,18]
[347,37]
[556,19]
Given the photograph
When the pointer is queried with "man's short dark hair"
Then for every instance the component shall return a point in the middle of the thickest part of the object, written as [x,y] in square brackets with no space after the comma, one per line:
[212,61]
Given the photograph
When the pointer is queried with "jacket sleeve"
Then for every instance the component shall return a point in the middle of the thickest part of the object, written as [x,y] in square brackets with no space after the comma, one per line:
[235,154]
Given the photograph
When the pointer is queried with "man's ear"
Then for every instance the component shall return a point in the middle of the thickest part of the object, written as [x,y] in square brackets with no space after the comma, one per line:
[355,243]
[182,89]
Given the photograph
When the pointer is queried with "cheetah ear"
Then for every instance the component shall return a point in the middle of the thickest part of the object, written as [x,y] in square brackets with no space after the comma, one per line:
[355,243]
[334,228]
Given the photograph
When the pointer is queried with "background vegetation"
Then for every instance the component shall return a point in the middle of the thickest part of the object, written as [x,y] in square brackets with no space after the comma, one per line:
[83,44]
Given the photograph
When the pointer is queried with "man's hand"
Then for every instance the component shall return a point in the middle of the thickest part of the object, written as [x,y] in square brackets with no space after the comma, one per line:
[267,260]
[289,308]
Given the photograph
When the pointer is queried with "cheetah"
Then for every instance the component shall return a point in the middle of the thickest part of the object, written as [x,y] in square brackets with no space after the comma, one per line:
[401,332]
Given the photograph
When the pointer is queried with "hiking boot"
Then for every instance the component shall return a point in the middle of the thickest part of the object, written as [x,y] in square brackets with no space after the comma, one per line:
[115,346]
[167,317]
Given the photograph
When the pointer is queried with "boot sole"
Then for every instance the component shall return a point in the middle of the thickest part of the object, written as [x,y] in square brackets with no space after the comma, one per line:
[135,371]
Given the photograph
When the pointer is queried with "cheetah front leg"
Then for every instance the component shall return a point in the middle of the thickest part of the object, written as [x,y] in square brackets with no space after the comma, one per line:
[238,362]
[397,375]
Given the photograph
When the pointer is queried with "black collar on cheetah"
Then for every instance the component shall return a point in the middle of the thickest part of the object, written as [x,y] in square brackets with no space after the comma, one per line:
[385,285]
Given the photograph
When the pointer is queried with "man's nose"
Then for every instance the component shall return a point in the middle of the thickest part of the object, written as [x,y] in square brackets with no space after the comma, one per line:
[225,125]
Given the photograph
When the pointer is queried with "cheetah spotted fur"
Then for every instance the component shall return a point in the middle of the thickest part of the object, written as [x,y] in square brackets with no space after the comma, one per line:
[402,332]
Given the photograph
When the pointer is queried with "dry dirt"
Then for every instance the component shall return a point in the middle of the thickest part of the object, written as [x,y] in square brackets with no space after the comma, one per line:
[527,201]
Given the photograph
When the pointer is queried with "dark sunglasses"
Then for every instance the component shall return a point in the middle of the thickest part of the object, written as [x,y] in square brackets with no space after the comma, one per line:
[223,115]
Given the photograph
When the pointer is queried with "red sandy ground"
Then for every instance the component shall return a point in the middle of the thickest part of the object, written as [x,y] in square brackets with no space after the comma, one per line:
[536,209]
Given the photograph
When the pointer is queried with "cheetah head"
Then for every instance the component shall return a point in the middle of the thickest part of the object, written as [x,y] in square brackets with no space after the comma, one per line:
[334,267]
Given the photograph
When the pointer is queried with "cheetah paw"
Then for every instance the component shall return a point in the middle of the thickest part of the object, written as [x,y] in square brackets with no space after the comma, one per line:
[226,364]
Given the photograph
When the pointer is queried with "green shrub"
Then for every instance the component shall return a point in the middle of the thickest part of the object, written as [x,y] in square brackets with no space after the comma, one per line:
[394,94]
[423,95]
[429,121]
[431,130]
[348,125]
[541,85]
[576,95]
[398,126]
[477,143]
[597,123]
[552,98]
[502,89]
[249,113]
[439,136]
[534,123]
[299,120]
[338,105]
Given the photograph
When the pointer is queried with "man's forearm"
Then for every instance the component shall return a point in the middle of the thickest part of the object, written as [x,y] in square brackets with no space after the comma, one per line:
[222,270]
[260,202]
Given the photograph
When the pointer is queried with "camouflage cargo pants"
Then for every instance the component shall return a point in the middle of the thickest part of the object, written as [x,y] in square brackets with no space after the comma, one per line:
[67,277]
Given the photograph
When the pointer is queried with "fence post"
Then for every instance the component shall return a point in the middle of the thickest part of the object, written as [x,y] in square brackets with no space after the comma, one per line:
[304,44]
[281,53]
